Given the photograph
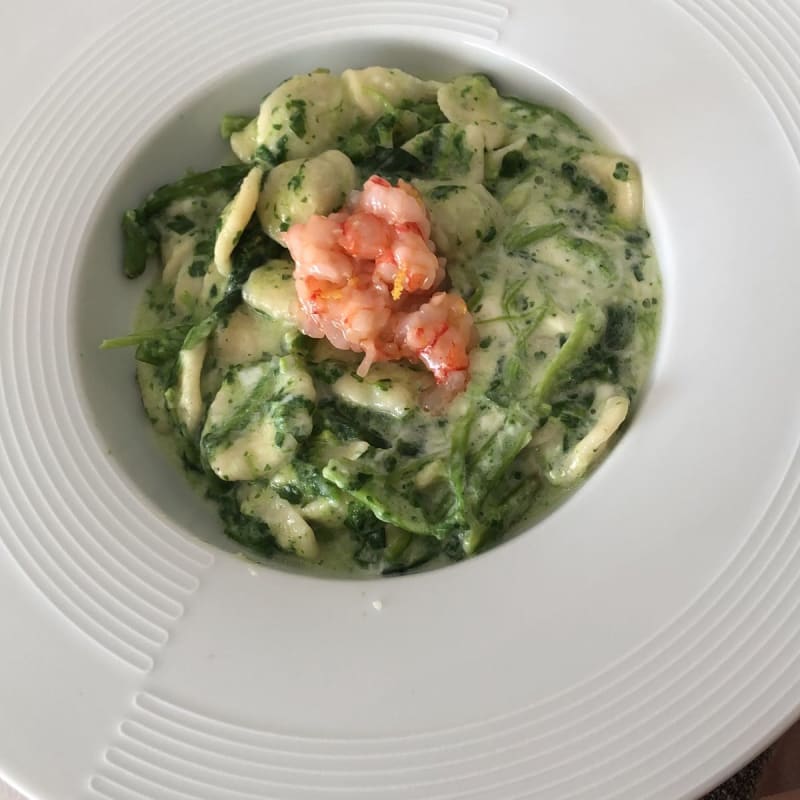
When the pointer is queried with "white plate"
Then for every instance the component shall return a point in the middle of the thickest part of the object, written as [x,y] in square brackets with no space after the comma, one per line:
[640,642]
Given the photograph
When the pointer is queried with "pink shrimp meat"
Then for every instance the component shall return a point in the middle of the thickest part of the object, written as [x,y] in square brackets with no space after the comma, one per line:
[366,278]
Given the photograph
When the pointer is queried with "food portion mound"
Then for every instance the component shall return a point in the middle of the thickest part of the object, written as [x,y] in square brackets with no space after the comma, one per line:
[411,316]
[365,277]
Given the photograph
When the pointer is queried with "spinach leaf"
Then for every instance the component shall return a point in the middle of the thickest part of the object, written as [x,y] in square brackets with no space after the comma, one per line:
[248,531]
[392,164]
[136,244]
[138,234]
[253,249]
[368,532]
[480,459]
[156,347]
[521,236]
[232,123]
[196,184]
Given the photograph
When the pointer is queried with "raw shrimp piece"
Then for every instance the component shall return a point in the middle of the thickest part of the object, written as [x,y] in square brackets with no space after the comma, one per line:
[439,334]
[390,226]
[314,248]
[395,204]
[352,317]
[365,236]
[362,314]
[364,278]
[418,268]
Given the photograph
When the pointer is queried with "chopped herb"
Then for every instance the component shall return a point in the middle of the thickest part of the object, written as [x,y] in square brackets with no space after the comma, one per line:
[275,155]
[522,236]
[297,117]
[296,181]
[136,244]
[198,268]
[620,325]
[581,183]
[513,164]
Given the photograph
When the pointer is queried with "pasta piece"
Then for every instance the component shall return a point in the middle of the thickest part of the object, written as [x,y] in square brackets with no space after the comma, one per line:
[187,250]
[246,337]
[176,255]
[471,98]
[188,289]
[577,461]
[186,399]
[298,189]
[375,392]
[622,182]
[234,218]
[270,290]
[326,446]
[372,89]
[463,217]
[257,418]
[291,531]
[243,142]
[451,151]
[302,117]
[214,286]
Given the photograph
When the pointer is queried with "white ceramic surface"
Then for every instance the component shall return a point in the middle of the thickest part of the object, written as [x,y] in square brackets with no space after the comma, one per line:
[640,642]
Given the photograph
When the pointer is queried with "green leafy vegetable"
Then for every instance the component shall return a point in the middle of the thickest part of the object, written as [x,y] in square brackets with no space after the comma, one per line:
[513,163]
[136,244]
[392,164]
[247,530]
[582,183]
[232,123]
[157,347]
[622,171]
[521,236]
[272,156]
[297,117]
[588,327]
[196,184]
[523,111]
[620,326]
